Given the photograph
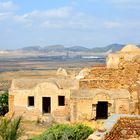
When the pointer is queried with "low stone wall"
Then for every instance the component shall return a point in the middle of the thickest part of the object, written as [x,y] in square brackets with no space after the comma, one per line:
[5,85]
[125,129]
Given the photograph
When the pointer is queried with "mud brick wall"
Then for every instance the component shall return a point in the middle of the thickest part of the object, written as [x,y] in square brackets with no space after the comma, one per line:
[125,129]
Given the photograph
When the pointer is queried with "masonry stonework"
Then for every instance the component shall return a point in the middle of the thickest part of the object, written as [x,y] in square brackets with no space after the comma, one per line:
[126,128]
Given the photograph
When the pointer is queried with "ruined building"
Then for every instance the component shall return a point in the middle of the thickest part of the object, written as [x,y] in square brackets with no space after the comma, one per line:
[96,93]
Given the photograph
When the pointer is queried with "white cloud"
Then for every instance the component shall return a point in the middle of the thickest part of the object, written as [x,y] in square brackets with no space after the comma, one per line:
[135,24]
[78,21]
[7,10]
[113,24]
[6,16]
[22,20]
[125,25]
[125,4]
[8,6]
[125,1]
[3,16]
[62,12]
[63,17]
[122,4]
[46,17]
[49,24]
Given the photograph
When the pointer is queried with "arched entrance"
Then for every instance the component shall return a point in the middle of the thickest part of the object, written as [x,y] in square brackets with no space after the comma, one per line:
[101,106]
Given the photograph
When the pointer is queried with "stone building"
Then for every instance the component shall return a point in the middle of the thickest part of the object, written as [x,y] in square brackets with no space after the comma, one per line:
[96,93]
[40,98]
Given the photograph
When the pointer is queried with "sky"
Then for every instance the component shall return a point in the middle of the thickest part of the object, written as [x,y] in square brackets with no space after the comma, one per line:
[88,23]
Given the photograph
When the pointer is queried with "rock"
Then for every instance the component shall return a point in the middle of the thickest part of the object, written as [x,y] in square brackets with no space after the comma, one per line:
[101,129]
[94,137]
[123,132]
[84,72]
[62,72]
[133,139]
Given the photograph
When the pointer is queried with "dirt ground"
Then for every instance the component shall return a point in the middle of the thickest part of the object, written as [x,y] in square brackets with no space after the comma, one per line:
[33,74]
[31,129]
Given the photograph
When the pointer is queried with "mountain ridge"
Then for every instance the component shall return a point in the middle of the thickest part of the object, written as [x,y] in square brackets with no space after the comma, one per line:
[61,48]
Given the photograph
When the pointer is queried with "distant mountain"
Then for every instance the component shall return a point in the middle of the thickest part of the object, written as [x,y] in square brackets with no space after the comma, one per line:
[54,48]
[30,48]
[114,47]
[111,48]
[77,48]
[60,48]
[138,45]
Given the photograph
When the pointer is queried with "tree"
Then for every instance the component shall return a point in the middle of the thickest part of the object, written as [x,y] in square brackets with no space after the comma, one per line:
[3,103]
[10,130]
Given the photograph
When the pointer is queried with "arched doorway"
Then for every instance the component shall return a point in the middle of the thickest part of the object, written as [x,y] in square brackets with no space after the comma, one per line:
[100,106]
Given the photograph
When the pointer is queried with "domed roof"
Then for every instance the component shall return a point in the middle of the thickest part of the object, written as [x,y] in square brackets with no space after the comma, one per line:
[130,48]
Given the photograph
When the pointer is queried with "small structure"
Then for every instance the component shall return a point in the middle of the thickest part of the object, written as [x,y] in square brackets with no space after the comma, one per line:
[41,98]
[128,53]
[96,93]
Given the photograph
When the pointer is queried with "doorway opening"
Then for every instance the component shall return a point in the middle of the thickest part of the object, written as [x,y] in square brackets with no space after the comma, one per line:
[46,104]
[102,110]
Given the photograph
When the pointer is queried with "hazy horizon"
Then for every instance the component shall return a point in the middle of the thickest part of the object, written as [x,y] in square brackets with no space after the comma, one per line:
[88,23]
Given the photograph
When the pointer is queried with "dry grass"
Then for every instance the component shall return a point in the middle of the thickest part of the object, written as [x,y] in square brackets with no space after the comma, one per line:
[31,129]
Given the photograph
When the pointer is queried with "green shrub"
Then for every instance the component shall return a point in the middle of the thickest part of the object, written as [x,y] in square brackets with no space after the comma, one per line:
[10,130]
[3,103]
[81,132]
[65,132]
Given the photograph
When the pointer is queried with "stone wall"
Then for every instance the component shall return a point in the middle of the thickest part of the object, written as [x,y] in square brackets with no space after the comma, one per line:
[126,128]
[81,110]
[84,103]
[5,85]
[124,77]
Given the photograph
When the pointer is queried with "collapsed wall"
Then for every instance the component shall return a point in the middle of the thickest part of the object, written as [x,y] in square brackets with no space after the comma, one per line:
[124,77]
